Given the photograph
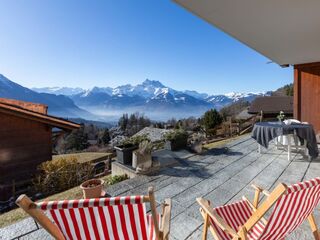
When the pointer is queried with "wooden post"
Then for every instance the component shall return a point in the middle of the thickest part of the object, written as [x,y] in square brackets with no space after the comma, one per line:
[314,227]
[289,147]
[154,212]
[256,198]
[205,227]
[261,116]
[265,206]
[166,219]
[243,233]
[13,188]
[30,207]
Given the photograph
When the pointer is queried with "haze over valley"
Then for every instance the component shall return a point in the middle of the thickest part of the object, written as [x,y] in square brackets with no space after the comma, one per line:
[151,97]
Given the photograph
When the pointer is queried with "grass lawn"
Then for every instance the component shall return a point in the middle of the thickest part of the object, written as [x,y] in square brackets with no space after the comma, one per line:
[220,143]
[18,214]
[85,156]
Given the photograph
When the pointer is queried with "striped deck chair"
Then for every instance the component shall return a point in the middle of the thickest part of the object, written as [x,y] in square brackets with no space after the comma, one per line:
[101,218]
[245,220]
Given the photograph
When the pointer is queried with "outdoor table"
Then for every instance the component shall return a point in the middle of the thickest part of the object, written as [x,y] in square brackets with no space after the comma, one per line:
[264,132]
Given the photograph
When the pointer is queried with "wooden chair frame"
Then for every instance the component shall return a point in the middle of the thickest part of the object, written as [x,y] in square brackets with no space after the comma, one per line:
[162,232]
[258,214]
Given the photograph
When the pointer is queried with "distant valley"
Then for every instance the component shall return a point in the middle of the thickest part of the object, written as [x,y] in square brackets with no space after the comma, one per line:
[151,97]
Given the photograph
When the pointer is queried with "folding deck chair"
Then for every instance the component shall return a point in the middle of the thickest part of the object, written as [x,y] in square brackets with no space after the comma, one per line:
[101,218]
[245,220]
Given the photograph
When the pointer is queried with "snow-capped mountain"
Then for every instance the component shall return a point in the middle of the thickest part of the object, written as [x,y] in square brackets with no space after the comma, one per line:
[147,89]
[220,101]
[68,91]
[151,97]
[59,105]
[196,94]
[148,94]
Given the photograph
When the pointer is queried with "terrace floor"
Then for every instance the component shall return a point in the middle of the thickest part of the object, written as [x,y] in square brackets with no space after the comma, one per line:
[221,175]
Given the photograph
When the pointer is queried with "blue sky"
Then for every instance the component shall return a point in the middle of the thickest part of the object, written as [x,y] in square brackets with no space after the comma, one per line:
[81,43]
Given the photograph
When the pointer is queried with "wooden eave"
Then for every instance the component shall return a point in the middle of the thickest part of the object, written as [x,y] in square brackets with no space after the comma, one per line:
[46,119]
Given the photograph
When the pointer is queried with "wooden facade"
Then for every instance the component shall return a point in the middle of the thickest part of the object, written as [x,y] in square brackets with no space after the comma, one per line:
[24,144]
[25,141]
[307,94]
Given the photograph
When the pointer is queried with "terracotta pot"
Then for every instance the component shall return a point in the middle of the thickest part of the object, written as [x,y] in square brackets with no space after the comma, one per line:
[92,188]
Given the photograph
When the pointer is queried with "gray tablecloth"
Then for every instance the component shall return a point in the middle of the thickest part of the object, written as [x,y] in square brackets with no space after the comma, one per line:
[264,132]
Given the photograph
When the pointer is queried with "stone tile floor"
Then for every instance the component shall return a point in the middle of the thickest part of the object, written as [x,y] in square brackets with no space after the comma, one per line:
[222,175]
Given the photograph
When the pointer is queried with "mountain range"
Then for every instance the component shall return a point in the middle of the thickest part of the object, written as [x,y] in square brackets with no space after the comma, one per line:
[151,97]
[59,105]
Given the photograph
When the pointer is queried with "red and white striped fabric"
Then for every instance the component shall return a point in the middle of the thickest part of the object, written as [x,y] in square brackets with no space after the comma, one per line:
[151,230]
[289,212]
[292,209]
[236,215]
[101,218]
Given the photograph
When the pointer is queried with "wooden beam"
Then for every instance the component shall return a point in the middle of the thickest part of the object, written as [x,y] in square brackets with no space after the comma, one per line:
[221,223]
[212,230]
[29,207]
[297,93]
[166,219]
[47,119]
[154,212]
[314,227]
[265,206]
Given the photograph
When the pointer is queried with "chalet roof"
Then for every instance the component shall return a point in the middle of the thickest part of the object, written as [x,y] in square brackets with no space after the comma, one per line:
[244,115]
[35,112]
[287,31]
[154,134]
[272,105]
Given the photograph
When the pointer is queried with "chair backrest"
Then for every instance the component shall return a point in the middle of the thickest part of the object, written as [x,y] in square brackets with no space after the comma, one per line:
[101,218]
[292,209]
[291,121]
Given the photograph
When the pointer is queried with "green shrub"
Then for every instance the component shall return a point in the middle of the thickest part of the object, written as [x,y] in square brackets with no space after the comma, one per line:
[210,120]
[135,140]
[145,147]
[61,174]
[158,145]
[176,135]
[116,179]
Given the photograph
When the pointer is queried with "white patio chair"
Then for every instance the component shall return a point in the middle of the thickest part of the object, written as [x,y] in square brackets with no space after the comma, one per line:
[290,141]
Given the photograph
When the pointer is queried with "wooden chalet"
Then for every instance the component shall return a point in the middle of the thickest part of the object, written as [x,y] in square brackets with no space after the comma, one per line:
[25,141]
[271,106]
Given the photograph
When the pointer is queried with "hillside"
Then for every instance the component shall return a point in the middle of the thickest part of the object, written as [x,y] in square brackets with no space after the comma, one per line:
[286,90]
[59,105]
[238,106]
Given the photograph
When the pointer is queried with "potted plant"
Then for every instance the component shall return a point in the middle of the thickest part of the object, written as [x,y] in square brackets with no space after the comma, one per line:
[124,151]
[141,158]
[176,140]
[92,188]
[196,143]
[281,116]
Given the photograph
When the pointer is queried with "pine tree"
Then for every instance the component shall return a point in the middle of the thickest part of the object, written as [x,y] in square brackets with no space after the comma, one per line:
[210,120]
[105,137]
